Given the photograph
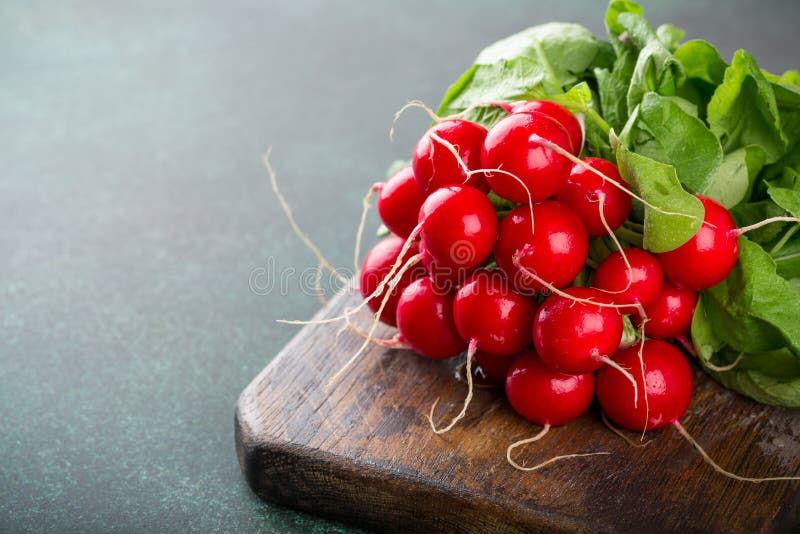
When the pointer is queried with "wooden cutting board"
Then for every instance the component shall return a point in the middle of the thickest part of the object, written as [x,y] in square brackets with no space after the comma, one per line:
[362,452]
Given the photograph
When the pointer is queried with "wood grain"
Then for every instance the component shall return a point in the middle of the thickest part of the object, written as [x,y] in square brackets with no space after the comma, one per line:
[363,452]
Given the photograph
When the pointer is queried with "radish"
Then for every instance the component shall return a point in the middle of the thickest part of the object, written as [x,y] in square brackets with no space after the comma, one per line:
[708,257]
[548,398]
[583,192]
[435,167]
[632,276]
[377,265]
[667,384]
[458,227]
[669,314]
[557,112]
[492,318]
[668,392]
[488,311]
[544,396]
[494,367]
[509,146]
[555,250]
[425,321]
[576,337]
[399,200]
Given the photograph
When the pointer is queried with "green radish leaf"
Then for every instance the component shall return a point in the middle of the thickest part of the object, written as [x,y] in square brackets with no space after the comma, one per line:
[732,182]
[612,86]
[704,70]
[676,136]
[705,341]
[614,27]
[537,62]
[788,199]
[787,261]
[754,307]
[656,69]
[743,110]
[701,61]
[670,36]
[680,215]
[768,377]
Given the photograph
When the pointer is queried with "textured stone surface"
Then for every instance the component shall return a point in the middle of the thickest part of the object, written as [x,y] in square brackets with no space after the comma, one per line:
[134,208]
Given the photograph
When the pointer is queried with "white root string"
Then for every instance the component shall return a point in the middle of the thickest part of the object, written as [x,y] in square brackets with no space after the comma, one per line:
[744,229]
[719,469]
[413,104]
[437,119]
[537,437]
[361,224]
[473,346]
[577,161]
[273,177]
[611,363]
[618,432]
[469,173]
[618,244]
[391,343]
[398,264]
[724,368]
[392,284]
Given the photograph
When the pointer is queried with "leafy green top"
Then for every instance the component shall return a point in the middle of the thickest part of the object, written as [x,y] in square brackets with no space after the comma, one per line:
[679,121]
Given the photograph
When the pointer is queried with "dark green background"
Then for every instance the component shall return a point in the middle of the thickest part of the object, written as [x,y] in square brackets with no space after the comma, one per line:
[134,208]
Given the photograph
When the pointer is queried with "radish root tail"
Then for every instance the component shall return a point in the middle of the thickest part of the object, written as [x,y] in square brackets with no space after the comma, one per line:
[724,368]
[537,437]
[744,229]
[361,224]
[473,346]
[413,104]
[719,469]
[273,177]
[611,363]
[618,432]
[392,284]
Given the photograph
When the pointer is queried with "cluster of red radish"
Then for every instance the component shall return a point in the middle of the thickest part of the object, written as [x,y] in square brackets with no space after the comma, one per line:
[459,274]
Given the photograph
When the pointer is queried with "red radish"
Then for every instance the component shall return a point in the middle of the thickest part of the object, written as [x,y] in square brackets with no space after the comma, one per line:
[638,284]
[488,311]
[458,226]
[555,251]
[707,258]
[494,367]
[435,166]
[575,337]
[559,113]
[399,201]
[544,396]
[583,190]
[377,265]
[425,321]
[668,388]
[669,314]
[511,146]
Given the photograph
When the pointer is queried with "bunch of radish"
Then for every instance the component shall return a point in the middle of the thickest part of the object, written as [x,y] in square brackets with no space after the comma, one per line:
[506,276]
[564,278]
